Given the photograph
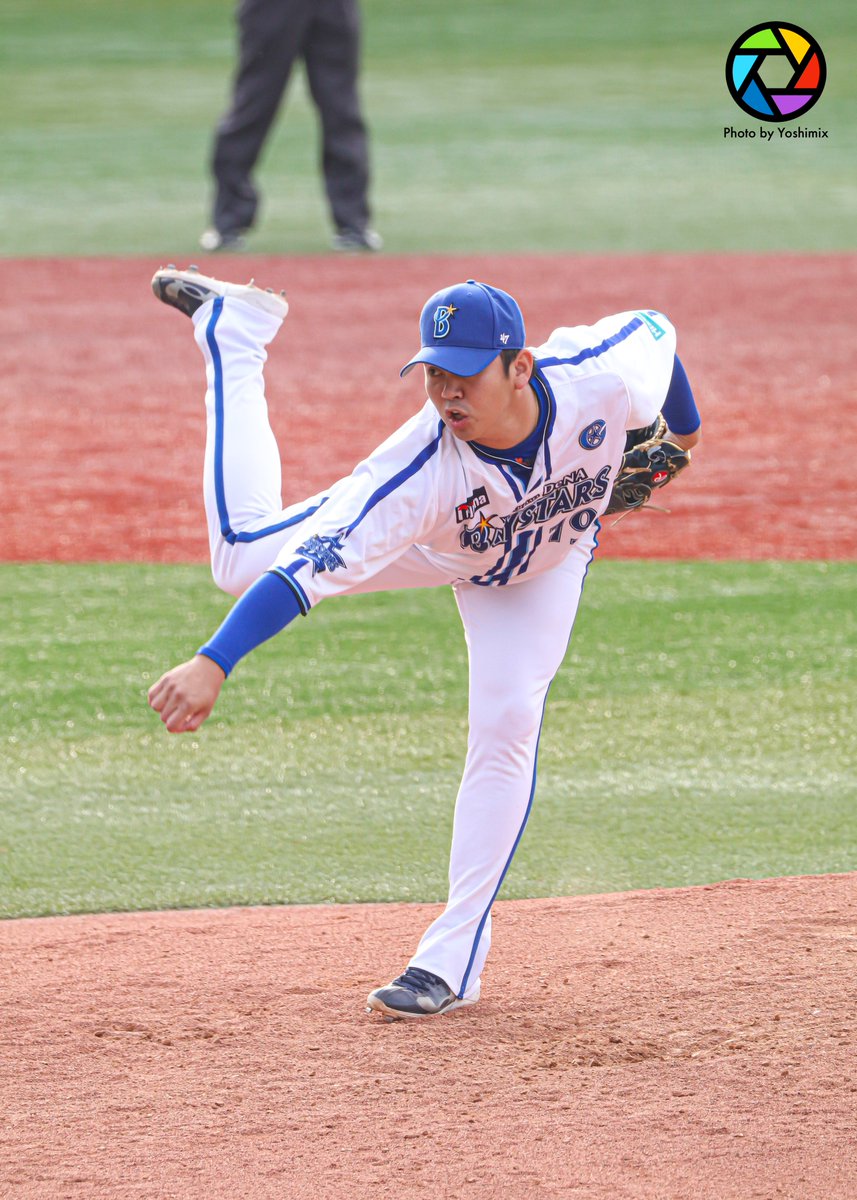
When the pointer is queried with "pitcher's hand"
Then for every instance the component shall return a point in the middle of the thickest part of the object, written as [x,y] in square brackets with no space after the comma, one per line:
[186,695]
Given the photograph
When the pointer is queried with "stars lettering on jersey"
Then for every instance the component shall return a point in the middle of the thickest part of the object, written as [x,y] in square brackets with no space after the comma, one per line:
[557,498]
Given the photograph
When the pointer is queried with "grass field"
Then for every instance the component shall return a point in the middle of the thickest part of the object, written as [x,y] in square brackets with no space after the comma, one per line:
[700,729]
[569,127]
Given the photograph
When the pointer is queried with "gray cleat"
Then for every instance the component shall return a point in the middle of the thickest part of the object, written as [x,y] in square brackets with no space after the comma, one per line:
[357,241]
[189,289]
[416,993]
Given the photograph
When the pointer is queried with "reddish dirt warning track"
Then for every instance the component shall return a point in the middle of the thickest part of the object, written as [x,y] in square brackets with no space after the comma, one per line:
[101,393]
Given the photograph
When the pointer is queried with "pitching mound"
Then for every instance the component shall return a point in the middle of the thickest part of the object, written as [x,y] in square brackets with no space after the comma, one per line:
[697,1042]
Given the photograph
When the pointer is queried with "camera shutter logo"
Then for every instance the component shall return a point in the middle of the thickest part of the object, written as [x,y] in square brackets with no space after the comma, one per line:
[776,71]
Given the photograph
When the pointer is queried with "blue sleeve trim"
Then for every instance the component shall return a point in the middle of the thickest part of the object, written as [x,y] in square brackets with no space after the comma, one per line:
[288,577]
[254,536]
[398,479]
[594,351]
[224,663]
[679,407]
[264,609]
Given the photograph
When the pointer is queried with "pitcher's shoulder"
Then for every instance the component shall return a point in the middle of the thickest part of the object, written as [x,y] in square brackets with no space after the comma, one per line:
[598,344]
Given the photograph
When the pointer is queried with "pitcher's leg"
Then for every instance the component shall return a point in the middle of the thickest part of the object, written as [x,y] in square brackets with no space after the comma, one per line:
[517,637]
[247,524]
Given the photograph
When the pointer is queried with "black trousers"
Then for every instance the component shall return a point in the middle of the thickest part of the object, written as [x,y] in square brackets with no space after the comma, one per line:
[273,34]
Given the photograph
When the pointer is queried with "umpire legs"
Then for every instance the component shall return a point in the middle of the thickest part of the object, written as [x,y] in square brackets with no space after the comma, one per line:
[517,637]
[332,57]
[271,34]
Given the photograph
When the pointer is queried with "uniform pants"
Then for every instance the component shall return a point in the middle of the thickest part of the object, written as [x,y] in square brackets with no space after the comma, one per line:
[273,34]
[516,635]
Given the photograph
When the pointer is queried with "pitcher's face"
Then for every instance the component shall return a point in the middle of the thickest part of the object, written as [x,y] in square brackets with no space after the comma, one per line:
[492,408]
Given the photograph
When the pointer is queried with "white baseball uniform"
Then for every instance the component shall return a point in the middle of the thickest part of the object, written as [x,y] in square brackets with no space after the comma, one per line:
[426,509]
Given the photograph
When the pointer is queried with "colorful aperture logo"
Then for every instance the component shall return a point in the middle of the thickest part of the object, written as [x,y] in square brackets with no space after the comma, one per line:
[776,71]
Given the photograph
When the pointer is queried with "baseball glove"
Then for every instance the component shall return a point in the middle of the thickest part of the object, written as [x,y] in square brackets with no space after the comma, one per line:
[650,461]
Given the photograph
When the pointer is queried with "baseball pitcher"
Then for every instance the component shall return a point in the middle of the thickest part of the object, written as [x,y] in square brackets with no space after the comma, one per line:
[494,487]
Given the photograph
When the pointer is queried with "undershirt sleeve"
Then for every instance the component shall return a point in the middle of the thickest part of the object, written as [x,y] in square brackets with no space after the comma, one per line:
[266,608]
[679,407]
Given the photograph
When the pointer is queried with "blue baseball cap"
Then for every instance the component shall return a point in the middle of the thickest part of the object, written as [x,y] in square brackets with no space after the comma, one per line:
[464,327]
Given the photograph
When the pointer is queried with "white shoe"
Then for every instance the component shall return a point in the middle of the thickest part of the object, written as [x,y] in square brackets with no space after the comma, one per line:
[187,290]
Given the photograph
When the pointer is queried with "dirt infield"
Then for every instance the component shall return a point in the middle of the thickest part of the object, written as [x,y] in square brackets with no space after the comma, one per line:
[696,1043]
[662,1045]
[100,389]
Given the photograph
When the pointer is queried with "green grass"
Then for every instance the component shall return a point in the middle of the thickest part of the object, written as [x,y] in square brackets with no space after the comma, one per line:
[700,729]
[564,127]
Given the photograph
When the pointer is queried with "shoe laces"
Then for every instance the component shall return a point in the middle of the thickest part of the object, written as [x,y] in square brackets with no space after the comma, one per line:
[415,979]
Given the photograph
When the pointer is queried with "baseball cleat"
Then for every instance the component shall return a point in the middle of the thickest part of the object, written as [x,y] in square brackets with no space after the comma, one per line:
[416,993]
[356,241]
[187,290]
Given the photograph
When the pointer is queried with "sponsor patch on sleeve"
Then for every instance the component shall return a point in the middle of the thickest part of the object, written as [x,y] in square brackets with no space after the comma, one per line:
[651,324]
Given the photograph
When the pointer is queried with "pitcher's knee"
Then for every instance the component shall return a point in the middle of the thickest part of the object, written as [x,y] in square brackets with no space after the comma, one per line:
[231,573]
[511,721]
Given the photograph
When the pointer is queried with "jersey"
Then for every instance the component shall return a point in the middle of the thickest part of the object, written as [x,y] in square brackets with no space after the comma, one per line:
[472,518]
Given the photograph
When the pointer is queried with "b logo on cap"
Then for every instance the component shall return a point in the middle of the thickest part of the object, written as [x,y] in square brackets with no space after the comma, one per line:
[442,316]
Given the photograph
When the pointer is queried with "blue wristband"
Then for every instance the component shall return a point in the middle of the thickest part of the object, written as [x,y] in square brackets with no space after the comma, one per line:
[265,608]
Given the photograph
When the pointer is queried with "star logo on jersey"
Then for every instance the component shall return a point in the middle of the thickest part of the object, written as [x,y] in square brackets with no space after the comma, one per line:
[323,552]
[483,536]
[443,314]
